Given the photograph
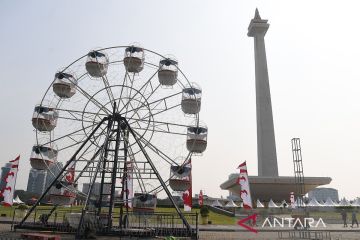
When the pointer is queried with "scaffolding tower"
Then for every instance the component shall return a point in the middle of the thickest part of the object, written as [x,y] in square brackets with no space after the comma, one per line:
[298,171]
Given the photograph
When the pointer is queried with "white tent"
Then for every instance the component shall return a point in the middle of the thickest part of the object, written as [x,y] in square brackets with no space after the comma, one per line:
[231,204]
[344,203]
[356,203]
[329,203]
[17,200]
[259,204]
[216,203]
[272,204]
[314,203]
[284,203]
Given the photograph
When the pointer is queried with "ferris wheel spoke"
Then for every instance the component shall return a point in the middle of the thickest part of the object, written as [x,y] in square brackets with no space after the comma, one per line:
[66,135]
[162,110]
[146,86]
[106,84]
[122,89]
[143,86]
[90,118]
[82,113]
[76,119]
[86,95]
[76,142]
[129,95]
[156,102]
[159,123]
[108,89]
[160,153]
[160,131]
[144,101]
[93,100]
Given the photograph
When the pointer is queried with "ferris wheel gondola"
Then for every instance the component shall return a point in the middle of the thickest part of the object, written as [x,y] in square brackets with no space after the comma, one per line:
[197,138]
[134,59]
[191,99]
[97,63]
[44,118]
[168,71]
[42,156]
[64,85]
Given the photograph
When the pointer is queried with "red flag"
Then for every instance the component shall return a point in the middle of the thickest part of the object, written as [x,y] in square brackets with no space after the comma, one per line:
[187,195]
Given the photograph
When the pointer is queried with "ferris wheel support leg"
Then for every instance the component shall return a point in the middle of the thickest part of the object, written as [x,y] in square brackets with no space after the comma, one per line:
[79,233]
[113,176]
[181,215]
[124,187]
[61,172]
[104,167]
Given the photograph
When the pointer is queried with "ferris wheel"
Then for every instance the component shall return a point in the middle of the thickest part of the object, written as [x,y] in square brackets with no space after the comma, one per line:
[119,124]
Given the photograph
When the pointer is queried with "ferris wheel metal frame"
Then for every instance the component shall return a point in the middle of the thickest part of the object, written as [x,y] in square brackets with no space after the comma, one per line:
[112,124]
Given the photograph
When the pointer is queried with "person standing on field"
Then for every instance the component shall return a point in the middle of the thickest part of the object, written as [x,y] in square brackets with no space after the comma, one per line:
[354,219]
[344,217]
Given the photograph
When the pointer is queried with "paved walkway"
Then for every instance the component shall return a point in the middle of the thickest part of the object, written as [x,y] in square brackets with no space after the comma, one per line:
[236,228]
[215,232]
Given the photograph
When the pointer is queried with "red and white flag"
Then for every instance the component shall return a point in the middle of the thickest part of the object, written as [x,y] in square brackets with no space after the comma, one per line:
[187,195]
[243,180]
[10,178]
[201,198]
[70,178]
[129,194]
[70,174]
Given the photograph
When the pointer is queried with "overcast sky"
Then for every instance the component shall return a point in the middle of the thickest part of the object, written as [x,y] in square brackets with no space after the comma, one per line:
[313,59]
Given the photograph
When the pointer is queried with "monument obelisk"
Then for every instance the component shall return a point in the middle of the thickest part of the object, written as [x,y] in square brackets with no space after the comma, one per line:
[266,148]
[268,184]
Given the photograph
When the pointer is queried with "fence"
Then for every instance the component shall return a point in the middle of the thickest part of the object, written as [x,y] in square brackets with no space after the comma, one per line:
[132,224]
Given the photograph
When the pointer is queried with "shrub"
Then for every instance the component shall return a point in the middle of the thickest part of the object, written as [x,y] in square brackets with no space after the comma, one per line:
[204,211]
[23,207]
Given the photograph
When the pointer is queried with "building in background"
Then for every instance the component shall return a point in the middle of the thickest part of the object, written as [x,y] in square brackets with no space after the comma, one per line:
[52,172]
[321,194]
[36,181]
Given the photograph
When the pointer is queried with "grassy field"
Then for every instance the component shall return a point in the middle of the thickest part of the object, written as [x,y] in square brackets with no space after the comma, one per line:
[215,218]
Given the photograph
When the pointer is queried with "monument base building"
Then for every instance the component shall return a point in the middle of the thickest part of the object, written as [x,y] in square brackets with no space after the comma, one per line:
[275,188]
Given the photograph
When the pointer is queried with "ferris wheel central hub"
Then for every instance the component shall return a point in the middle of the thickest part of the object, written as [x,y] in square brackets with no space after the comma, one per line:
[117,117]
